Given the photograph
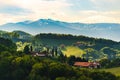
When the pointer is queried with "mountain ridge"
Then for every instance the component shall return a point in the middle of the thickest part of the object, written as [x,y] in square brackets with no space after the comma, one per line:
[99,30]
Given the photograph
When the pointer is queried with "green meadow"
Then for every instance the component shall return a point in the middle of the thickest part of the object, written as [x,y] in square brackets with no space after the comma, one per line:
[115,70]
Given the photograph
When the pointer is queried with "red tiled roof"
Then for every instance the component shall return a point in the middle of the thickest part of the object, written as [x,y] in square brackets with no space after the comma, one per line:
[83,64]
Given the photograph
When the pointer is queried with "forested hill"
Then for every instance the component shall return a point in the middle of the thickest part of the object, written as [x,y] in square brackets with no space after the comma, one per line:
[16,65]
[16,36]
[70,45]
[67,39]
[7,45]
[61,39]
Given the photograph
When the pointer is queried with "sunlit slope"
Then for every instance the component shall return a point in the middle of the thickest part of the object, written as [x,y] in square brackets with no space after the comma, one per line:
[72,50]
[115,70]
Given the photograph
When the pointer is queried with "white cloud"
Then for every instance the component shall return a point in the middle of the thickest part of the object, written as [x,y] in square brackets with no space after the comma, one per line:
[107,4]
[105,11]
[37,4]
[92,16]
[39,8]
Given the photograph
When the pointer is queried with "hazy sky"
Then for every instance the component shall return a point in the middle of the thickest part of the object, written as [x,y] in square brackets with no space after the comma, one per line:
[85,11]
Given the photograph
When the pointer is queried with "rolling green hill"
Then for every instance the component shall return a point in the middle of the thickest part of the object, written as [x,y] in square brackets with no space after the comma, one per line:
[115,70]
[93,48]
[68,39]
[16,36]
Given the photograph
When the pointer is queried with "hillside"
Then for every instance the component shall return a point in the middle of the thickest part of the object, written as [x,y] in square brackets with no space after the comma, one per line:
[24,66]
[91,48]
[7,45]
[71,50]
[115,70]
[22,33]
[80,46]
[16,36]
[67,39]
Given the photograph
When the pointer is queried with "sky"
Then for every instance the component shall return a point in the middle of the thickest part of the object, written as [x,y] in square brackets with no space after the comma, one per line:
[84,11]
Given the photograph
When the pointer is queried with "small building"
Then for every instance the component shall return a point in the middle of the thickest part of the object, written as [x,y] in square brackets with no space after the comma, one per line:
[38,54]
[95,65]
[87,64]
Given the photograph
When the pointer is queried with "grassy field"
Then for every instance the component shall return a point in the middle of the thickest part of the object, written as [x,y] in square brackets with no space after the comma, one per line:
[72,50]
[115,71]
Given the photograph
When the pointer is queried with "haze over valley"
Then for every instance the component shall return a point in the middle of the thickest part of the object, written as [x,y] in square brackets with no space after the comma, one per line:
[97,30]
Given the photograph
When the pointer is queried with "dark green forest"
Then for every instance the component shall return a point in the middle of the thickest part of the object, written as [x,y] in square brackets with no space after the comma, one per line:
[21,65]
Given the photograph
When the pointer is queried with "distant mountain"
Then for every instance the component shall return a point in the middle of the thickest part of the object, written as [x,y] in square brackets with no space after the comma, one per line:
[100,30]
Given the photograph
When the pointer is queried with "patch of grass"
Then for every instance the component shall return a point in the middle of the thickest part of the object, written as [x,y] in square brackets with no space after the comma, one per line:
[115,70]
[72,50]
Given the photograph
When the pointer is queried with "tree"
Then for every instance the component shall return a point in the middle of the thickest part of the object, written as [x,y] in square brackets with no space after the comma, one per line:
[91,54]
[21,67]
[39,71]
[84,78]
[26,49]
[62,58]
[13,35]
[5,54]
[102,76]
[71,60]
[7,45]
[31,48]
[60,70]
[60,78]
[110,52]
[104,63]
[5,68]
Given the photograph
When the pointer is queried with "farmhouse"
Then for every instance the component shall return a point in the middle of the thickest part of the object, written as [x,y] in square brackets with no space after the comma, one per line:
[87,64]
[38,54]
